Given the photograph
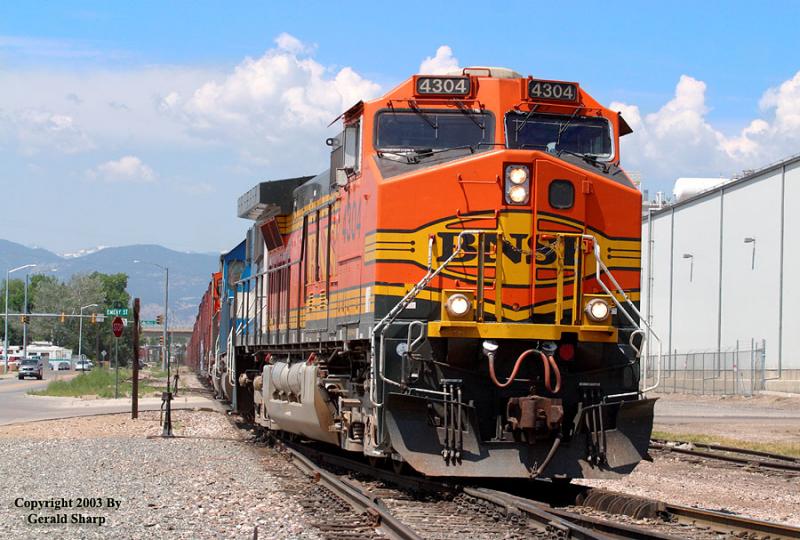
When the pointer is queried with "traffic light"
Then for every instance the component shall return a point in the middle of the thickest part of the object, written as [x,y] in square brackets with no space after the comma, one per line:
[94,318]
[159,320]
[25,319]
[63,317]
[161,340]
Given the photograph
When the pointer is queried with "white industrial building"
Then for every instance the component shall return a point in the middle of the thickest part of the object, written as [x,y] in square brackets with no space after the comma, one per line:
[721,274]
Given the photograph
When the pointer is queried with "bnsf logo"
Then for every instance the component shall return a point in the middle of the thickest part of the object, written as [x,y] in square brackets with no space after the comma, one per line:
[515,245]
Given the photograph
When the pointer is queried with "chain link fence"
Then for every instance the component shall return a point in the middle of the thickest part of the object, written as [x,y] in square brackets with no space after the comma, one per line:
[737,370]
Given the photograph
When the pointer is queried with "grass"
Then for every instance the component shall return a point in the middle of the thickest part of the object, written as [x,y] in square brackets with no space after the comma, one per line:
[156,373]
[98,382]
[784,448]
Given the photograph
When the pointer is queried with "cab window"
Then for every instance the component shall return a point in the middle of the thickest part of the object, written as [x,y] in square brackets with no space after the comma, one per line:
[352,146]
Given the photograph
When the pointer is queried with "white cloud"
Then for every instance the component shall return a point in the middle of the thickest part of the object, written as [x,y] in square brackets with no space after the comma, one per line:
[276,107]
[291,44]
[36,130]
[442,62]
[99,103]
[126,169]
[678,140]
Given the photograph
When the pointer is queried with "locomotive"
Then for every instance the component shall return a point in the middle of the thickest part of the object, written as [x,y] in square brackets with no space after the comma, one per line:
[457,293]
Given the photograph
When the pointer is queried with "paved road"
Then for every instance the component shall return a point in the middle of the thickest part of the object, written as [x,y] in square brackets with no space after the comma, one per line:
[17,406]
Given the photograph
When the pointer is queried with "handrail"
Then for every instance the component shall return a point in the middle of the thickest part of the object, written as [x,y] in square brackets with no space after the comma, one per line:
[389,318]
[600,267]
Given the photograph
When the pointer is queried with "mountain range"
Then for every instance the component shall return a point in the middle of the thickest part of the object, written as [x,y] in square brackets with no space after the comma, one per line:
[189,273]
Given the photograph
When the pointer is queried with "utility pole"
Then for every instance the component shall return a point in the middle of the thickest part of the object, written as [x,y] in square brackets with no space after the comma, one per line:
[164,330]
[5,338]
[135,381]
[80,331]
[25,321]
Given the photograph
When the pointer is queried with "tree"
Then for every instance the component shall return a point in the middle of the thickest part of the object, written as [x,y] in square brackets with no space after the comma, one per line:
[52,296]
[16,296]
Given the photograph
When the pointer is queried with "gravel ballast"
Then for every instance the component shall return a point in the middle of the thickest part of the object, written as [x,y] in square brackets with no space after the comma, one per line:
[207,483]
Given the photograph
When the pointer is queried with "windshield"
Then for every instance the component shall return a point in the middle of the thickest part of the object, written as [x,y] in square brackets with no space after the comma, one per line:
[29,362]
[433,130]
[590,136]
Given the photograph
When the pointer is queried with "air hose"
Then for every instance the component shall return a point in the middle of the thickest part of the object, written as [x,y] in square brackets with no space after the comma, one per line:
[548,363]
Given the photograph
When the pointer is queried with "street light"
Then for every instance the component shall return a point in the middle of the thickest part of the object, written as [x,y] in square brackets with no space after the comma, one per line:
[752,240]
[691,264]
[5,338]
[80,330]
[167,432]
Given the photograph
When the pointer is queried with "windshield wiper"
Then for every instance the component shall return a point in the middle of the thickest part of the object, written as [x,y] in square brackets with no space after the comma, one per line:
[434,125]
[470,114]
[415,155]
[411,155]
[525,120]
[563,128]
[591,159]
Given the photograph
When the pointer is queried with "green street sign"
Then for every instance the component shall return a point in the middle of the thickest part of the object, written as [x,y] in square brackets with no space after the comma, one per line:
[148,322]
[117,312]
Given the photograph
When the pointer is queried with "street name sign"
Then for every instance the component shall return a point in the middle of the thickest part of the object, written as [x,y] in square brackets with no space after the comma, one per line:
[117,312]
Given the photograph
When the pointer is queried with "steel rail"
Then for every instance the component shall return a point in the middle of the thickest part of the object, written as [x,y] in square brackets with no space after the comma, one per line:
[356,498]
[406,481]
[737,524]
[722,522]
[739,460]
[579,526]
[723,448]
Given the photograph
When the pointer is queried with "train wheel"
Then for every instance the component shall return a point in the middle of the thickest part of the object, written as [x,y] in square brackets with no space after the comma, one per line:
[399,467]
[375,462]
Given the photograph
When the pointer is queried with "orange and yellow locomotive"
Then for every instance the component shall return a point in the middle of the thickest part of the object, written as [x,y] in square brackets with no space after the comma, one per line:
[457,292]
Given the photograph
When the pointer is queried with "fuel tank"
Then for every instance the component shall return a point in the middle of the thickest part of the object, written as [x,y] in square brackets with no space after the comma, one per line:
[294,401]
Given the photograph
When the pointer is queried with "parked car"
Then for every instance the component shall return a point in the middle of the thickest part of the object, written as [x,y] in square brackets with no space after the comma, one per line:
[31,367]
[83,365]
[59,365]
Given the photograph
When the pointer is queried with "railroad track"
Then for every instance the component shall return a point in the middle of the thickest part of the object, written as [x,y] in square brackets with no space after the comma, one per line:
[434,509]
[741,457]
[399,506]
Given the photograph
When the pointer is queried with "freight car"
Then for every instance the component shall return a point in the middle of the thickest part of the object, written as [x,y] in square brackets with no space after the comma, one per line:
[457,293]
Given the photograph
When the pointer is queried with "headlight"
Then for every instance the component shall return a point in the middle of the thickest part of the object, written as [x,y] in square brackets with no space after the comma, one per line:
[458,305]
[597,310]
[517,184]
[517,175]
[518,194]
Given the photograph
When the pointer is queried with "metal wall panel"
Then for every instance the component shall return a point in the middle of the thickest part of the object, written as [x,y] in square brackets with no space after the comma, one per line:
[791,269]
[695,279]
[662,234]
[751,294]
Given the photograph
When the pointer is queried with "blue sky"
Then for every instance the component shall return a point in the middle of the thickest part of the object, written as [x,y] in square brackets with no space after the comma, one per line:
[143,122]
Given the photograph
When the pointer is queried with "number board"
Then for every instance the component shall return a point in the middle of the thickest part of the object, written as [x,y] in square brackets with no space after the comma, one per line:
[552,90]
[443,86]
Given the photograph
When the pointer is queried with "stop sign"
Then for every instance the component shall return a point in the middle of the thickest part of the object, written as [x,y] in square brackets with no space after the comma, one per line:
[117,325]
